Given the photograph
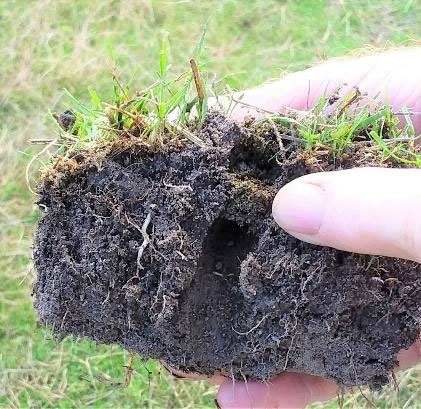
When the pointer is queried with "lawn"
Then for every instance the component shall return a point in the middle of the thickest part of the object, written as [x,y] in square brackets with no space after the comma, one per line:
[49,45]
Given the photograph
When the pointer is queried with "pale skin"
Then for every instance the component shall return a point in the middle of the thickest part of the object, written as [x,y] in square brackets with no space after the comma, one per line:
[369,210]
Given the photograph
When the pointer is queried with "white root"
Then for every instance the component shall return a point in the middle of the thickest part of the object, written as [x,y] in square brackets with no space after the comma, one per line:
[146,239]
[251,329]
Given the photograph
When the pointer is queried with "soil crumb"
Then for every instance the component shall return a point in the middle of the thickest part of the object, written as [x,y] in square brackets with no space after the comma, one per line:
[174,255]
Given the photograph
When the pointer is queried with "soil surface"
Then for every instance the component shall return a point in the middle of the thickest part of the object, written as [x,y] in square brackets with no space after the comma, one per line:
[174,255]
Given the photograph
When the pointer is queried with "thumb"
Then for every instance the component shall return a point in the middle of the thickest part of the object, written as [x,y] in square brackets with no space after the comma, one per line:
[365,210]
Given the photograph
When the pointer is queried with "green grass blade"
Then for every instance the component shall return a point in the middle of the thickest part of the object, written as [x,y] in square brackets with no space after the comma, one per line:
[201,44]
[80,107]
[163,56]
[95,99]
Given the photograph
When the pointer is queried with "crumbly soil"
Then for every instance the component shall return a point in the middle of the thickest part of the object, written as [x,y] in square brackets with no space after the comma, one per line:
[173,254]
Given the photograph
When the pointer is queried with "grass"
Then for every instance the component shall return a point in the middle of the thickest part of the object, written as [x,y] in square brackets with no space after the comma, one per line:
[49,45]
[170,107]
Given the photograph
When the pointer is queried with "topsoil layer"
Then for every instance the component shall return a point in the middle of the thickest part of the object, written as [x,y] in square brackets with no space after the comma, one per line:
[174,255]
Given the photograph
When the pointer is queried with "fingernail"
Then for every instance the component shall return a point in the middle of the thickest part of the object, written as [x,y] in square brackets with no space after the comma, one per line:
[299,208]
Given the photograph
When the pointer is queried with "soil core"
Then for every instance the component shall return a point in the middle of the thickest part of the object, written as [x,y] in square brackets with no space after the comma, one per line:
[173,254]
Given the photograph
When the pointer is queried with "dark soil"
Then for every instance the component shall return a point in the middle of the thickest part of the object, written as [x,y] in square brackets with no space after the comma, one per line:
[174,255]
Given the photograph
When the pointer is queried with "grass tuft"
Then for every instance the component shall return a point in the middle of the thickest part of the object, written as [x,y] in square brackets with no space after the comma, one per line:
[336,126]
[171,105]
[144,114]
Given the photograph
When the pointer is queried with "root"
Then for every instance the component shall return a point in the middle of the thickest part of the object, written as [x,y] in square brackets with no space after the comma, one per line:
[146,239]
[357,380]
[366,398]
[395,383]
[186,133]
[246,384]
[232,376]
[289,352]
[251,329]
[64,318]
[255,107]
[341,397]
[157,294]
[305,282]
[278,136]
[129,370]
[33,159]
[178,187]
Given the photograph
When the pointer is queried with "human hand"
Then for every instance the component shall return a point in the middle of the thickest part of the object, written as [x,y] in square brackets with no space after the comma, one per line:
[368,210]
[392,77]
[372,211]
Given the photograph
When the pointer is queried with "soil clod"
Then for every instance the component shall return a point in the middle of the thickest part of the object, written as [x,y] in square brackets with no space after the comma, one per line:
[174,255]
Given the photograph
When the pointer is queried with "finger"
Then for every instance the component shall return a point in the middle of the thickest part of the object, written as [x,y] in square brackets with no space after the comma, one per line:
[292,390]
[288,390]
[393,77]
[364,210]
[411,356]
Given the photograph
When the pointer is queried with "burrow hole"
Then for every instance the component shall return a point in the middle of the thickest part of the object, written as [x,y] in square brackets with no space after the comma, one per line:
[256,158]
[214,297]
[225,247]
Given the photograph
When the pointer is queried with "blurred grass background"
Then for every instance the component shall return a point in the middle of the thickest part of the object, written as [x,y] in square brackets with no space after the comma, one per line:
[46,45]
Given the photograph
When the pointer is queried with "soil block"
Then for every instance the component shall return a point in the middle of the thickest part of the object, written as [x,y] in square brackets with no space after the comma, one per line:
[173,254]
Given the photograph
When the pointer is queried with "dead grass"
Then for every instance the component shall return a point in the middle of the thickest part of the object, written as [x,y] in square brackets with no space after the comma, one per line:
[47,45]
